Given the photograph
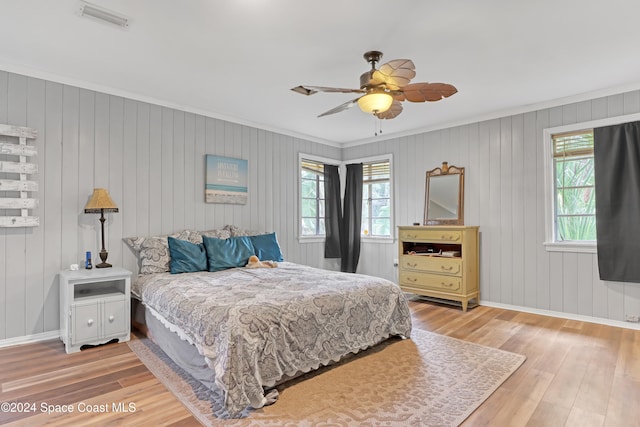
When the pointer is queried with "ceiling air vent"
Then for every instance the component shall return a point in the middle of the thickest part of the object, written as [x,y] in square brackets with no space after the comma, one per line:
[103,15]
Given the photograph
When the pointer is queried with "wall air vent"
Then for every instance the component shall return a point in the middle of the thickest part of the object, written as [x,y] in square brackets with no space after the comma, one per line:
[103,15]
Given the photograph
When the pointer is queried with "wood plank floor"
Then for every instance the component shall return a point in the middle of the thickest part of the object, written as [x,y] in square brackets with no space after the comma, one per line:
[576,374]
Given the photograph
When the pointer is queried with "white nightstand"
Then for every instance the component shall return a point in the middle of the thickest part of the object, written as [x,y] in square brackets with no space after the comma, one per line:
[94,306]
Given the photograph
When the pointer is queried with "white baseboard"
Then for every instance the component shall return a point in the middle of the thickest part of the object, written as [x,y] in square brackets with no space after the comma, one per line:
[561,315]
[28,339]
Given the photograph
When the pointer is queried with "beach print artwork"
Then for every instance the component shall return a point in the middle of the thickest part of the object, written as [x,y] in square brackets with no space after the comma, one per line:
[226,180]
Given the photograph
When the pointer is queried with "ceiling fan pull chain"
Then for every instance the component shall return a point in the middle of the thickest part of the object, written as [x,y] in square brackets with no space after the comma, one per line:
[377,125]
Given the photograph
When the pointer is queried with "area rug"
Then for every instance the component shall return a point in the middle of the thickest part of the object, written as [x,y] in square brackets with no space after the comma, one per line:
[428,380]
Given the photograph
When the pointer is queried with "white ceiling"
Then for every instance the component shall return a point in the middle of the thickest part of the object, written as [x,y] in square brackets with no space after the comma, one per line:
[237,59]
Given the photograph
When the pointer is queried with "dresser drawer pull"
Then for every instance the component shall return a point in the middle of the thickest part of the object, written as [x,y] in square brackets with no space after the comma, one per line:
[449,285]
[449,237]
[90,322]
[450,268]
[412,279]
[412,264]
[412,236]
[111,318]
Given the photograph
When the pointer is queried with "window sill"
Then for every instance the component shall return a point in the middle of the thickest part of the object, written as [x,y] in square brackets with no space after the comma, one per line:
[363,239]
[369,239]
[311,239]
[571,247]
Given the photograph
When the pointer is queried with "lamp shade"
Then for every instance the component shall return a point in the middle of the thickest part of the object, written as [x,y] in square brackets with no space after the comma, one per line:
[100,201]
[375,102]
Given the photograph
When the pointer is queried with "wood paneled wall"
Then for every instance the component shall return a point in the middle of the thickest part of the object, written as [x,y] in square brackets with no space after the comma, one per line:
[504,195]
[151,159]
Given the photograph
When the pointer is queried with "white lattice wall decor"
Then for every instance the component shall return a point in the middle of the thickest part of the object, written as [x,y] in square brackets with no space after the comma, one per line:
[14,172]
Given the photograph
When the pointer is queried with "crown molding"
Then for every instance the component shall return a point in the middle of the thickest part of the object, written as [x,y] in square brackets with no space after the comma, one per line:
[83,84]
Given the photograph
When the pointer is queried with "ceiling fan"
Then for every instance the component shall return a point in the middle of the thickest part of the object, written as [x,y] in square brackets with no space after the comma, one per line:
[385,88]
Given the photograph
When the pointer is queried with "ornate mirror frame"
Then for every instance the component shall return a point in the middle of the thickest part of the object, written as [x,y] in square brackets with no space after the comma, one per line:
[442,179]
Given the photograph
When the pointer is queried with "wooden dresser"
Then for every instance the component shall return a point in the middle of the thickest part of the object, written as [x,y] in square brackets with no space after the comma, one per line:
[440,261]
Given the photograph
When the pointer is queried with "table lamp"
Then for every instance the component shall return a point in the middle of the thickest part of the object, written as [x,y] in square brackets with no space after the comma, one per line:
[100,202]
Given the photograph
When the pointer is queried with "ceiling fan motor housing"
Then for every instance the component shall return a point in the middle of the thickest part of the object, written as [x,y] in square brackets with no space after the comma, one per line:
[365,79]
[372,57]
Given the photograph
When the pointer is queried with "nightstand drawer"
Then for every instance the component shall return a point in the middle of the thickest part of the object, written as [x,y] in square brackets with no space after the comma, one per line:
[431,281]
[431,235]
[432,264]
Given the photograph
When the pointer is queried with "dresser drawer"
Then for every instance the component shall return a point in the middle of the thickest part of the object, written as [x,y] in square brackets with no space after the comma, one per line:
[432,264]
[431,235]
[431,281]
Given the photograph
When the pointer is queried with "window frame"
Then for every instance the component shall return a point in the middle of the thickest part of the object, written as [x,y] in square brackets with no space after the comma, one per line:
[318,159]
[375,159]
[342,166]
[550,242]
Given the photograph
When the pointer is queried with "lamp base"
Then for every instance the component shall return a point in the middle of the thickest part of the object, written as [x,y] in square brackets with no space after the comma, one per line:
[103,257]
[103,265]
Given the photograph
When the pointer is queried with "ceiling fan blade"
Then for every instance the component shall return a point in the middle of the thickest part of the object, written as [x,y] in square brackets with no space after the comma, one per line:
[340,107]
[421,92]
[310,90]
[392,112]
[394,74]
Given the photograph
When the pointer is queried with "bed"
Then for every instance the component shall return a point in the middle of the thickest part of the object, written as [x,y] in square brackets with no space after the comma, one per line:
[246,330]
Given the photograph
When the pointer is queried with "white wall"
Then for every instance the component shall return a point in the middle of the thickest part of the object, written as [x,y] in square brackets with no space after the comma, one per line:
[151,159]
[504,195]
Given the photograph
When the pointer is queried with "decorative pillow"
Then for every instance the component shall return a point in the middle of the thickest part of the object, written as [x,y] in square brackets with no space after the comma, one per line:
[217,233]
[153,251]
[227,253]
[237,231]
[266,247]
[186,257]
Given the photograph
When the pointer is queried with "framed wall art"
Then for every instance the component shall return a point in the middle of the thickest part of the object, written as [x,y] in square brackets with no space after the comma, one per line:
[226,180]
[17,170]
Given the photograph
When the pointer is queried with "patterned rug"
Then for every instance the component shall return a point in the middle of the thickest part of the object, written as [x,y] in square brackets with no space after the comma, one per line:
[428,380]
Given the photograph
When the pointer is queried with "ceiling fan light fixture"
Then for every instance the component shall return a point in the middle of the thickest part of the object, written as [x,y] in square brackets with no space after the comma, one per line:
[375,102]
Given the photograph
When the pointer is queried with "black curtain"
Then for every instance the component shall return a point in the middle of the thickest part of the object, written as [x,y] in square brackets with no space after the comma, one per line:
[616,153]
[332,211]
[351,218]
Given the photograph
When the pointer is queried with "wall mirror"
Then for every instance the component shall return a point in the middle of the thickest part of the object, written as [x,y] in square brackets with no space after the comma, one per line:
[444,196]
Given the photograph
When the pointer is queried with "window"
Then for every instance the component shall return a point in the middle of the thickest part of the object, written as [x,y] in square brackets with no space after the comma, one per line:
[311,197]
[376,198]
[377,218]
[574,187]
[570,186]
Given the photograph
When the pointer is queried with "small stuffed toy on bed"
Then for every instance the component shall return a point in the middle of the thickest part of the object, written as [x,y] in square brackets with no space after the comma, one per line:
[254,262]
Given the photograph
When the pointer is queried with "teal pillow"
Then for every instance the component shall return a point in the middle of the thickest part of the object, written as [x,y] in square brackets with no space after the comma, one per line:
[227,253]
[266,247]
[186,257]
